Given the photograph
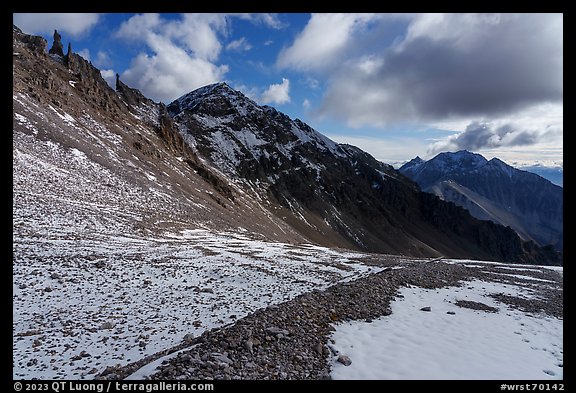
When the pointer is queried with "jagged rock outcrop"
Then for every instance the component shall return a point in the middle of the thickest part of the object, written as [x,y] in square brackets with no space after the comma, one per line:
[36,44]
[57,47]
[132,97]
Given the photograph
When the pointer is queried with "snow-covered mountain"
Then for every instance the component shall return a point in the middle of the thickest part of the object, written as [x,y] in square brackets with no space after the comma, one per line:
[337,195]
[493,190]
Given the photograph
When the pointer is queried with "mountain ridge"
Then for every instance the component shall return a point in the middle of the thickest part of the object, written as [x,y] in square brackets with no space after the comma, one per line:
[493,190]
[214,152]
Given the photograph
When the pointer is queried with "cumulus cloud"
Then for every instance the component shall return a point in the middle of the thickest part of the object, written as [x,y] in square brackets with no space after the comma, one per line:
[324,39]
[85,53]
[268,19]
[277,93]
[540,126]
[442,66]
[306,104]
[45,23]
[102,59]
[484,135]
[239,45]
[181,53]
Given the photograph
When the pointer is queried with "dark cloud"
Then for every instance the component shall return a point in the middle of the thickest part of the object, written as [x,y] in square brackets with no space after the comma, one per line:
[481,135]
[460,66]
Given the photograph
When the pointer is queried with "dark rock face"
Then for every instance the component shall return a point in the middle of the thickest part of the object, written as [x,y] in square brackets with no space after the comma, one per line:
[36,44]
[57,48]
[492,190]
[330,192]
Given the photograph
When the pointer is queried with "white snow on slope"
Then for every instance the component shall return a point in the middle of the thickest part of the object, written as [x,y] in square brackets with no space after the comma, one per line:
[81,305]
[471,344]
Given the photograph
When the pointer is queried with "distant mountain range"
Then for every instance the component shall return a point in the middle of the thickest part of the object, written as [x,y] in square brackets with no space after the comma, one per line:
[214,159]
[492,190]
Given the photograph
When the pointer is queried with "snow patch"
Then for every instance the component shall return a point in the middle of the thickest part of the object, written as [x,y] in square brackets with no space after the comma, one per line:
[471,344]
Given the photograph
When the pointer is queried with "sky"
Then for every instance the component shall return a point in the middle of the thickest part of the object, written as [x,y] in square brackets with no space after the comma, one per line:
[395,85]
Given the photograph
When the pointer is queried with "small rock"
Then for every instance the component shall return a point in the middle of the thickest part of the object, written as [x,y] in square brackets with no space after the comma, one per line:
[55,276]
[221,358]
[333,349]
[188,337]
[249,344]
[275,330]
[108,370]
[345,360]
[427,308]
[107,325]
[100,264]
[320,348]
[451,313]
[32,362]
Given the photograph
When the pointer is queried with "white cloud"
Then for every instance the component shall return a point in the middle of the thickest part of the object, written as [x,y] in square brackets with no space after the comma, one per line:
[277,93]
[268,42]
[102,59]
[182,53]
[45,23]
[447,67]
[325,38]
[110,77]
[270,20]
[311,82]
[306,104]
[385,149]
[239,45]
[523,138]
[85,53]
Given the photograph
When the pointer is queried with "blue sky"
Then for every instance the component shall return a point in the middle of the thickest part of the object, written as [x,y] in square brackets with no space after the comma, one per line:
[395,85]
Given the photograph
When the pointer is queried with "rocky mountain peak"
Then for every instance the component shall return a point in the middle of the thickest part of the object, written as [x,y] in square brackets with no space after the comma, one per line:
[462,158]
[57,47]
[219,98]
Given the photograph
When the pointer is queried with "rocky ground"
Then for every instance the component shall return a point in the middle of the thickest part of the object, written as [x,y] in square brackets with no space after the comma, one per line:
[291,340]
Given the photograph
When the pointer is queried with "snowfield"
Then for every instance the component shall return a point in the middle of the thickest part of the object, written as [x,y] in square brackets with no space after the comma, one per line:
[82,305]
[468,344]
